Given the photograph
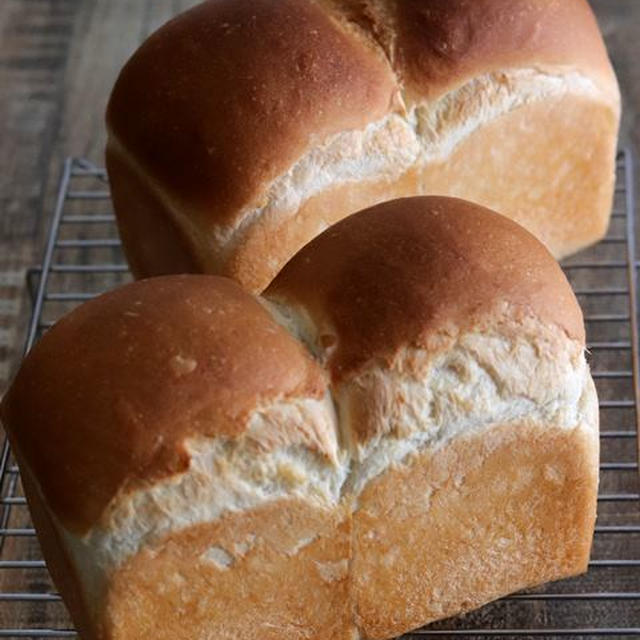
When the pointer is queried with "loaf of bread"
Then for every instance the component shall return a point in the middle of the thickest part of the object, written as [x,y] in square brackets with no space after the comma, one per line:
[243,128]
[402,428]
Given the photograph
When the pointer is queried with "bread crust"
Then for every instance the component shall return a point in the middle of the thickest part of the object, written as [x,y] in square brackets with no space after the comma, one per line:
[147,237]
[287,577]
[142,369]
[485,515]
[546,137]
[251,85]
[442,44]
[259,91]
[369,281]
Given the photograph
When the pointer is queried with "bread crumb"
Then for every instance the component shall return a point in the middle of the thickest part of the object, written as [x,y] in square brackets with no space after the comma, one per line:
[219,557]
[242,548]
[290,475]
[300,545]
[553,474]
[332,571]
[181,366]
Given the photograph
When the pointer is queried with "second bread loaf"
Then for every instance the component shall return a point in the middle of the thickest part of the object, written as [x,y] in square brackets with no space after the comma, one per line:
[244,128]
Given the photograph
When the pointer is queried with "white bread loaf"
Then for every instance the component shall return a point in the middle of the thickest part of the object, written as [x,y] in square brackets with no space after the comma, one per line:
[243,128]
[403,428]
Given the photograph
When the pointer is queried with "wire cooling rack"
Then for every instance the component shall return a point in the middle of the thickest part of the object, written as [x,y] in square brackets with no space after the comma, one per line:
[83,258]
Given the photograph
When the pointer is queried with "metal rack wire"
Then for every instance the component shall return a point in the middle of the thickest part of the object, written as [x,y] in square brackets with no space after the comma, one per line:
[83,258]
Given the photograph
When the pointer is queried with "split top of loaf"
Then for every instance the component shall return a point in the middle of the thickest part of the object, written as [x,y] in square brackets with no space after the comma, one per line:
[243,128]
[181,402]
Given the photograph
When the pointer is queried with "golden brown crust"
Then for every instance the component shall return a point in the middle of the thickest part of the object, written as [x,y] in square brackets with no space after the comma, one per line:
[572,210]
[232,94]
[569,213]
[407,272]
[152,241]
[484,516]
[445,532]
[441,45]
[287,578]
[121,382]
[229,94]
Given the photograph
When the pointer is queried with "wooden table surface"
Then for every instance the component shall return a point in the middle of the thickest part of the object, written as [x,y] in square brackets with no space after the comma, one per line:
[58,61]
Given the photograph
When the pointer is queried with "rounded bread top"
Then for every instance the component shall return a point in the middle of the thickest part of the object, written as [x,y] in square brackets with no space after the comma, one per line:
[227,96]
[417,272]
[109,399]
[105,401]
[441,45]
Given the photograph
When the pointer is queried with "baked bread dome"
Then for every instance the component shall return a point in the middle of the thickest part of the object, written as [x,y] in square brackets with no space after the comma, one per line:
[243,128]
[402,428]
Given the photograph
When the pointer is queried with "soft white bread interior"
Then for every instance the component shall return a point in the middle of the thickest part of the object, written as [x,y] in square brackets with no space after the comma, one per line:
[244,128]
[404,427]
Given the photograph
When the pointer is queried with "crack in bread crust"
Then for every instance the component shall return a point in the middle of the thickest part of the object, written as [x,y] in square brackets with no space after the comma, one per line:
[405,140]
[481,381]
[424,133]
